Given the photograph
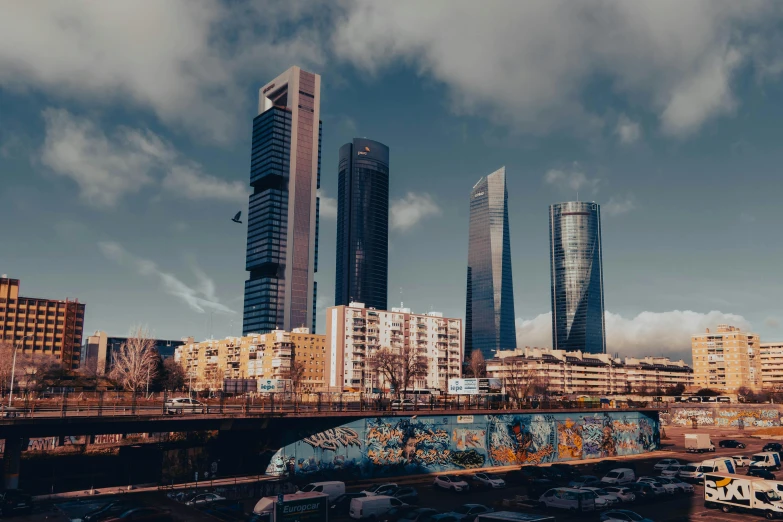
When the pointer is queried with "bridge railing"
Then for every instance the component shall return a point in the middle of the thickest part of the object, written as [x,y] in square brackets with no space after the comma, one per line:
[68,403]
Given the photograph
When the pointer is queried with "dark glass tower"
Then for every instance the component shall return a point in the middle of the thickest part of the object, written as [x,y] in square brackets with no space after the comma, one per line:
[282,222]
[489,311]
[362,224]
[577,277]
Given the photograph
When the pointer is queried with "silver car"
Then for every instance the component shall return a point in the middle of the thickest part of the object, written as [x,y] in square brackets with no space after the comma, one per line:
[184,405]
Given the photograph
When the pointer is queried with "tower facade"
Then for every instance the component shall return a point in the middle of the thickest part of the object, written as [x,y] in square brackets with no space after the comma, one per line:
[362,224]
[490,290]
[282,232]
[577,277]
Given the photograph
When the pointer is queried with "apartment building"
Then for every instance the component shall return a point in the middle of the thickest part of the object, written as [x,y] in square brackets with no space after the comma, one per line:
[566,372]
[45,328]
[771,366]
[355,333]
[726,359]
[256,356]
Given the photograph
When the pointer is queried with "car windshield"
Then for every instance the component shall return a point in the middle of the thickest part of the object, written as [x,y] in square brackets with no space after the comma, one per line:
[308,487]
[689,468]
[601,491]
[492,477]
[462,510]
[454,478]
[757,458]
[773,495]
[613,474]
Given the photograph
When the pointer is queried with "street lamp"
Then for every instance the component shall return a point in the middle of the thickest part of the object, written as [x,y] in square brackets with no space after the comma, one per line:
[13,369]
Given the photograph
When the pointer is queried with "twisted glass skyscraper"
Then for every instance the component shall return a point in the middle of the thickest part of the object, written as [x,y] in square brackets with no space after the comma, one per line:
[282,221]
[362,224]
[489,310]
[577,277]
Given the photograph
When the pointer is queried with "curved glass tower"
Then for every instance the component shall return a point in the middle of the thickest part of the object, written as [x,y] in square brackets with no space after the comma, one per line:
[489,310]
[577,277]
[362,224]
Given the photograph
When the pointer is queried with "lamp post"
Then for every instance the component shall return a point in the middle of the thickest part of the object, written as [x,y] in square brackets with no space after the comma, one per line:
[13,370]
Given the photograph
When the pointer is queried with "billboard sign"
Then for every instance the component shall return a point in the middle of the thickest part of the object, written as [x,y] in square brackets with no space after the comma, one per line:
[274,385]
[475,386]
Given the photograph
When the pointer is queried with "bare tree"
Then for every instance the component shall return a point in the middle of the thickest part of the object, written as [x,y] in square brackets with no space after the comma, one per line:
[25,365]
[398,369]
[136,362]
[6,362]
[296,374]
[477,365]
[521,380]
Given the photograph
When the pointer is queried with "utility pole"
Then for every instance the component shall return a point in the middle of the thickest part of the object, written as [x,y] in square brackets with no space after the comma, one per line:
[13,370]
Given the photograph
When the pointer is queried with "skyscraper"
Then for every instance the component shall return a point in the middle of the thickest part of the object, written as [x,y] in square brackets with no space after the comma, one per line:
[362,224]
[489,311]
[577,277]
[282,231]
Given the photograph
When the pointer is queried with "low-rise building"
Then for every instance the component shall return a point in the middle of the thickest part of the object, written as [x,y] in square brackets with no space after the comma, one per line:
[771,366]
[256,356]
[98,351]
[565,372]
[41,328]
[355,334]
[726,359]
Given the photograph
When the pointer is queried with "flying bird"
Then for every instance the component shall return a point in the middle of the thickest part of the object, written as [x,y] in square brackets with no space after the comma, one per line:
[235,219]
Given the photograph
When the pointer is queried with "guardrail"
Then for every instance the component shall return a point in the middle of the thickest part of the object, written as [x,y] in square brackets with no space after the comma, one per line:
[111,403]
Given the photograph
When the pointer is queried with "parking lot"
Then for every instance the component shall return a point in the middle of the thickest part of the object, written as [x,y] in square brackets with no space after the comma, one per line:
[673,508]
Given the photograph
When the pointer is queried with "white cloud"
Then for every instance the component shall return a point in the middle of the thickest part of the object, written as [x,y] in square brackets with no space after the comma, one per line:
[408,211]
[199,298]
[649,333]
[628,130]
[617,206]
[328,206]
[572,178]
[530,63]
[106,168]
[187,61]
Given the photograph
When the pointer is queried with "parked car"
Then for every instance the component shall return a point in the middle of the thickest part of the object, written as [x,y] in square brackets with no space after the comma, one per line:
[397,513]
[183,405]
[605,495]
[602,466]
[622,515]
[679,487]
[468,512]
[339,507]
[445,517]
[622,493]
[741,461]
[204,498]
[381,489]
[142,514]
[773,446]
[665,463]
[403,404]
[407,494]
[684,486]
[731,443]
[672,471]
[570,499]
[689,473]
[537,487]
[451,482]
[333,488]
[372,507]
[584,480]
[600,502]
[15,502]
[761,473]
[108,510]
[566,470]
[419,515]
[619,476]
[488,480]
[657,482]
[642,490]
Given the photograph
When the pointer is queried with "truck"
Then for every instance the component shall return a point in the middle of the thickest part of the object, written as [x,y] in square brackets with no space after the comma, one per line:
[302,507]
[730,492]
[769,460]
[698,443]
[510,516]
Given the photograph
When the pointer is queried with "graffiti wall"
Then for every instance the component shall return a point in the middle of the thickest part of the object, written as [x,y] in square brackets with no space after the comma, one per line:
[722,416]
[387,446]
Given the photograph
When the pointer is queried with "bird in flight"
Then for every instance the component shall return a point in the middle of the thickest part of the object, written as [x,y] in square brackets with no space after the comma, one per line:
[235,219]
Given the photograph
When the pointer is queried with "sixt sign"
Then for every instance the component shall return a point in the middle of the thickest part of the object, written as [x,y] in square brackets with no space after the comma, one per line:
[726,489]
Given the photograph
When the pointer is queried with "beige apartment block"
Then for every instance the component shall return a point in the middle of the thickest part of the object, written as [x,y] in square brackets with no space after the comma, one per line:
[726,359]
[772,366]
[354,334]
[565,372]
[256,356]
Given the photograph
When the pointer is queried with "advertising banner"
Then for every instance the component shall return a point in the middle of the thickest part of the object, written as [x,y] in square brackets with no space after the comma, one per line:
[274,385]
[475,386]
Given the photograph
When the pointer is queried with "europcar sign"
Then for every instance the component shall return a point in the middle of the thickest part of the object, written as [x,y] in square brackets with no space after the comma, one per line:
[304,510]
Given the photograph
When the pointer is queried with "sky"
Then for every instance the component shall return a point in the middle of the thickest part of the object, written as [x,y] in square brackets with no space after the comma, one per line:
[125,146]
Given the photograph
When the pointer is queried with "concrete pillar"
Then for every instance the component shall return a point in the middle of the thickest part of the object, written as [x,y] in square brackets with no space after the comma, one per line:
[12,457]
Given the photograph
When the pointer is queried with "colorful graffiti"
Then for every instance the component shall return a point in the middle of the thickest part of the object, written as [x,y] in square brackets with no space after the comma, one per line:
[388,446]
[722,416]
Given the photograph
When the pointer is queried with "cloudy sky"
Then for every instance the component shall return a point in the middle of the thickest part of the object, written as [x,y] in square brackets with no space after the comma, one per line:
[125,146]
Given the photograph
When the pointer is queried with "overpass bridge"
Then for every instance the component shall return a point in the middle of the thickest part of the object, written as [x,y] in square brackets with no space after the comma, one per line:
[288,429]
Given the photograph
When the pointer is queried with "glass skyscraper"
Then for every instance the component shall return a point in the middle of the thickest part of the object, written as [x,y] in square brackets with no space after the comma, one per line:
[362,224]
[282,222]
[489,312]
[577,277]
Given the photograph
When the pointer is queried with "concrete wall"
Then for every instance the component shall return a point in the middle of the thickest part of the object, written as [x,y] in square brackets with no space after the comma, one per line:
[723,415]
[388,446]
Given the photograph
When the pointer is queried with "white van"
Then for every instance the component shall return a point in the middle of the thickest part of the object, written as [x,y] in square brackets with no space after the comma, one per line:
[688,474]
[766,460]
[333,488]
[619,476]
[369,507]
[568,498]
